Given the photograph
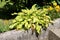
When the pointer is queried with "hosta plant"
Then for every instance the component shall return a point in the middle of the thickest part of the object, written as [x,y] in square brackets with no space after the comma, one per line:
[34,18]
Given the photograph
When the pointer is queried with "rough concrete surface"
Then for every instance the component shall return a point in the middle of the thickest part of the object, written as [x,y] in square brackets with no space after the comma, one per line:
[22,35]
[54,30]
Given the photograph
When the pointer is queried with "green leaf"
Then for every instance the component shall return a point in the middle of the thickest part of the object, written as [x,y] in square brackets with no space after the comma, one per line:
[38,28]
[12,26]
[19,26]
[29,25]
[33,7]
[26,25]
[3,3]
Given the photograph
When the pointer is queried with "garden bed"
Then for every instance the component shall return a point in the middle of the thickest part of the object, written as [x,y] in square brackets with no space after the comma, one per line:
[30,23]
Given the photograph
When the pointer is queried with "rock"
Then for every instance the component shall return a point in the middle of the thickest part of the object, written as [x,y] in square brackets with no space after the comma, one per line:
[54,30]
[22,35]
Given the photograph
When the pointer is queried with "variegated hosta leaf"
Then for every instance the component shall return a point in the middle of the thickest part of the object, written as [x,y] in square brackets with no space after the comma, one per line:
[13,21]
[35,20]
[18,18]
[26,25]
[29,19]
[19,26]
[46,25]
[20,13]
[38,28]
[34,8]
[14,14]
[29,25]
[13,25]
[42,22]
[26,10]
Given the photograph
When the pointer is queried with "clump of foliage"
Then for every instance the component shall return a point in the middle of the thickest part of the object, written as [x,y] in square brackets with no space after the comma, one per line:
[54,10]
[33,18]
[3,27]
[3,3]
[7,7]
[58,1]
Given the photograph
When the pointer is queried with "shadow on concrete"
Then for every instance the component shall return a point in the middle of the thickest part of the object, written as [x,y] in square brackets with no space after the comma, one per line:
[53,36]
